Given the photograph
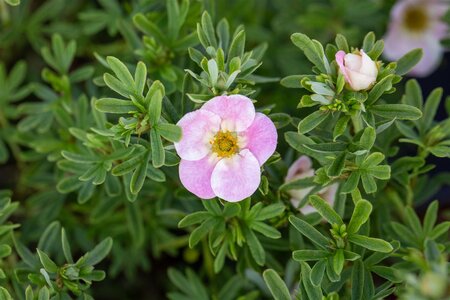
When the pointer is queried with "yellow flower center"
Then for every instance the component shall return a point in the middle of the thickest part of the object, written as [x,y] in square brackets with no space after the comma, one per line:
[416,18]
[224,144]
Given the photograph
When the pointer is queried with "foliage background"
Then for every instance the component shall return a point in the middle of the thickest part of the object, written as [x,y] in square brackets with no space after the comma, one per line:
[138,270]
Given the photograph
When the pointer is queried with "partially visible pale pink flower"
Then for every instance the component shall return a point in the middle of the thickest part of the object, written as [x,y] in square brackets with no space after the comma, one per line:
[302,168]
[223,147]
[359,70]
[417,24]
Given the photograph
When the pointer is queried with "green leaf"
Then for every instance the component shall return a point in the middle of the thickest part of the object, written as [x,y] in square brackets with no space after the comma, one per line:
[139,175]
[313,51]
[220,258]
[48,264]
[317,272]
[201,231]
[337,165]
[170,132]
[140,77]
[135,223]
[270,211]
[121,71]
[341,43]
[430,217]
[193,218]
[29,294]
[13,2]
[312,121]
[325,210]
[306,255]
[99,252]
[44,294]
[310,232]
[398,111]
[340,126]
[413,94]
[265,230]
[256,249]
[155,107]
[338,261]
[368,138]
[430,108]
[314,292]
[413,221]
[360,215]
[370,243]
[5,250]
[158,154]
[276,285]
[439,230]
[237,45]
[66,246]
[357,280]
[115,106]
[408,61]
[155,174]
[379,89]
[117,86]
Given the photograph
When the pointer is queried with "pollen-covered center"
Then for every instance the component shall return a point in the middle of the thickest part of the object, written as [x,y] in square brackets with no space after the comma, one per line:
[416,18]
[225,144]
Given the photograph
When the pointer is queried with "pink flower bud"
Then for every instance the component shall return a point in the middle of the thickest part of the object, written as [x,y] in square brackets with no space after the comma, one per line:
[359,70]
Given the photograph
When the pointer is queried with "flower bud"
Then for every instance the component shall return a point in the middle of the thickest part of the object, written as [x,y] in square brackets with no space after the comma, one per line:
[359,70]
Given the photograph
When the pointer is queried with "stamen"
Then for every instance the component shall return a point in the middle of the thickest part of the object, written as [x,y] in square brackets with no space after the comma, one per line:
[225,144]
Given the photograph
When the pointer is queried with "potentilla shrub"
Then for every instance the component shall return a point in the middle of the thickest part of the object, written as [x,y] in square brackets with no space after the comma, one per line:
[157,168]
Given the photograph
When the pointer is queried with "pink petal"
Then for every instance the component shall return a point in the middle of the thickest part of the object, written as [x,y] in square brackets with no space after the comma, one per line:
[301,166]
[198,129]
[352,62]
[196,176]
[261,138]
[340,56]
[368,66]
[398,42]
[237,177]
[432,57]
[237,111]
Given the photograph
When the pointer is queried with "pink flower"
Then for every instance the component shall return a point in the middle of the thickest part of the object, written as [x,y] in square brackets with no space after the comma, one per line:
[223,147]
[417,24]
[302,168]
[359,70]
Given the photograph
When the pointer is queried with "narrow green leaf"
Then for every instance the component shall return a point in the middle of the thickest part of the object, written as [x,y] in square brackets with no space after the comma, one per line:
[370,243]
[121,71]
[66,246]
[276,285]
[115,106]
[310,232]
[158,154]
[430,217]
[99,252]
[312,121]
[325,210]
[193,218]
[357,280]
[360,215]
[398,111]
[408,61]
[170,132]
[48,264]
[306,255]
[317,272]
